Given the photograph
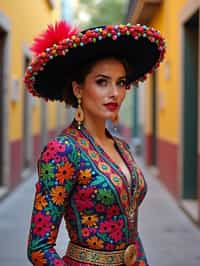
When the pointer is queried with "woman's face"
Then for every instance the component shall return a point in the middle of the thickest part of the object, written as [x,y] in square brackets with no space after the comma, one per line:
[103,89]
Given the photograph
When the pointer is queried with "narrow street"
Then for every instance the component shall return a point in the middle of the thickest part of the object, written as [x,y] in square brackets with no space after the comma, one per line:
[169,237]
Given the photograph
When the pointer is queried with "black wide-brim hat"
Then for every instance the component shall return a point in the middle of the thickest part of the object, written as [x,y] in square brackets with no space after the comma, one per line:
[61,49]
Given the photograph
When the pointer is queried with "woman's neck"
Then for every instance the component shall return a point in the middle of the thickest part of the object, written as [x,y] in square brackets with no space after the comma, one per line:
[96,128]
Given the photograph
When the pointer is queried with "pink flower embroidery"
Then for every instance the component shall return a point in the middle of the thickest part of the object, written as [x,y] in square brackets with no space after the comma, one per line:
[85,232]
[58,262]
[58,158]
[82,205]
[84,193]
[42,224]
[56,146]
[82,198]
[41,229]
[116,235]
[109,246]
[100,208]
[120,223]
[113,211]
[51,151]
[39,218]
[48,155]
[105,227]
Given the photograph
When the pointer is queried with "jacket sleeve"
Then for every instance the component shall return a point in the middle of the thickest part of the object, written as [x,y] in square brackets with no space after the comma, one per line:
[141,256]
[57,168]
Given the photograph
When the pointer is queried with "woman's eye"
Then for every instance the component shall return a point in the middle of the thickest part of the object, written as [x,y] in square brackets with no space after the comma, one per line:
[122,83]
[101,82]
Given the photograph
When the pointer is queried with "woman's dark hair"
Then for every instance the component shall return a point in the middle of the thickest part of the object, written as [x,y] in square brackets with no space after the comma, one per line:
[79,75]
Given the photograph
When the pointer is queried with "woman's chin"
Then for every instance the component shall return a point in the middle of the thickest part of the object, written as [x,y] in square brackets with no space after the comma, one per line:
[110,117]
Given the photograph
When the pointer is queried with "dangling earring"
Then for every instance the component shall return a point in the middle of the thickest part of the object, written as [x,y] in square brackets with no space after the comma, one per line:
[115,122]
[79,115]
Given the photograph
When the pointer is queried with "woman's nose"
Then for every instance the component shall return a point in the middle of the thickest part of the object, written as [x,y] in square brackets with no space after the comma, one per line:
[114,90]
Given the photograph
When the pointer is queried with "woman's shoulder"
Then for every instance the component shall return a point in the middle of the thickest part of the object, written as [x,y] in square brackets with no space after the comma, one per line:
[59,147]
[60,141]
[63,138]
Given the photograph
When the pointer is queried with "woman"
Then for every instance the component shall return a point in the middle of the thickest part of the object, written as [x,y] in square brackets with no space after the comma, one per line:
[86,174]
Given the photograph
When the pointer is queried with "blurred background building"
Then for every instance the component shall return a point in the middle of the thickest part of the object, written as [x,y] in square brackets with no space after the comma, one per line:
[171,100]
[25,123]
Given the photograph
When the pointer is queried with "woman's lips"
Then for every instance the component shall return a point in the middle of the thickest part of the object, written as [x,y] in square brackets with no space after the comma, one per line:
[111,106]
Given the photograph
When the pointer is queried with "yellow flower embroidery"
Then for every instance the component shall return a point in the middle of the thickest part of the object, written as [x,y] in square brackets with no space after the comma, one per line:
[40,202]
[84,176]
[95,243]
[89,220]
[58,195]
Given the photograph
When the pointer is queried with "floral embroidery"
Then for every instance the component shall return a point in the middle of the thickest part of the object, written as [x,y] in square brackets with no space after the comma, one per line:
[105,196]
[90,220]
[64,172]
[42,225]
[52,236]
[105,227]
[58,194]
[38,258]
[58,262]
[110,246]
[84,176]
[47,170]
[116,235]
[48,155]
[85,232]
[113,211]
[83,198]
[100,208]
[95,243]
[76,182]
[41,202]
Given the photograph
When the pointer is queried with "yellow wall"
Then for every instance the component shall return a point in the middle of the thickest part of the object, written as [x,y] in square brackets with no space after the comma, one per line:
[168,89]
[27,19]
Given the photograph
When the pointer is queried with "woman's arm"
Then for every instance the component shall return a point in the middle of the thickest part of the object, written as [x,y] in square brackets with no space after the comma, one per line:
[57,168]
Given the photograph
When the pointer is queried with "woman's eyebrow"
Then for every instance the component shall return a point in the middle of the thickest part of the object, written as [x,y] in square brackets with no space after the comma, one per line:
[108,77]
[102,75]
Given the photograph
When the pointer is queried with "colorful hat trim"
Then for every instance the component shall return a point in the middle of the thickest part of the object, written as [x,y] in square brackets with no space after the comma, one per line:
[71,39]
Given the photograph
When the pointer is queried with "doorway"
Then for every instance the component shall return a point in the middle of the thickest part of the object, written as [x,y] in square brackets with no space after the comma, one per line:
[2,45]
[154,120]
[27,151]
[190,112]
[4,74]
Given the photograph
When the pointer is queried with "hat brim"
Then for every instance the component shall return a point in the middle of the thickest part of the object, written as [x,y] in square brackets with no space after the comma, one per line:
[142,55]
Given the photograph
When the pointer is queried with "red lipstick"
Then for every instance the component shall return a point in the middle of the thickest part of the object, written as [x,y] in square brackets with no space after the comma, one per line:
[111,106]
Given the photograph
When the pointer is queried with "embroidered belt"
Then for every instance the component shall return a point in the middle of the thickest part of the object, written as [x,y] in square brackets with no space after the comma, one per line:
[102,258]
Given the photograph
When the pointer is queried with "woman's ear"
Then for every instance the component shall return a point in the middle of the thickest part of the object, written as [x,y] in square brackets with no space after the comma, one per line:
[76,89]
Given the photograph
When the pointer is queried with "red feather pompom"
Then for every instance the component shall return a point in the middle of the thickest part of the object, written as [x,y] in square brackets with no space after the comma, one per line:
[53,35]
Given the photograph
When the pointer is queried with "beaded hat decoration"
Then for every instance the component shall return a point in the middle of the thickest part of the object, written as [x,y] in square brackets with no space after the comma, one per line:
[61,49]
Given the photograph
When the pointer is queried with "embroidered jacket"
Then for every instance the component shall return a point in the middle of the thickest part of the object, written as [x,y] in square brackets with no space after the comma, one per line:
[80,181]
